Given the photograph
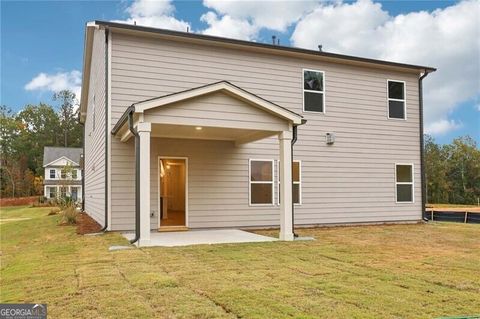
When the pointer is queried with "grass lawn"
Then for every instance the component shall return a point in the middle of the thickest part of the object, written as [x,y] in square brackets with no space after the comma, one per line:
[403,271]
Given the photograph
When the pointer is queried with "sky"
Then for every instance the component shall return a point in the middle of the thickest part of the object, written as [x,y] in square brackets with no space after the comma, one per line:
[42,42]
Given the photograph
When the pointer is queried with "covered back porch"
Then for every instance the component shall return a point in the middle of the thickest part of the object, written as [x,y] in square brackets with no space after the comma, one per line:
[219,118]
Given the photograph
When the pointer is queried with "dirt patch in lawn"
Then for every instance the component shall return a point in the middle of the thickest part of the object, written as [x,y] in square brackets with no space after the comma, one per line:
[87,225]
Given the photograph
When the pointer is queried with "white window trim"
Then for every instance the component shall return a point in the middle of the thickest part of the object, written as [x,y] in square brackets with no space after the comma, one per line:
[405,183]
[250,182]
[398,100]
[312,91]
[298,183]
[49,191]
[50,173]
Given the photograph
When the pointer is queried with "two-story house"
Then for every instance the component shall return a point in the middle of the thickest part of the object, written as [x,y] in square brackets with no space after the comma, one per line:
[63,174]
[188,131]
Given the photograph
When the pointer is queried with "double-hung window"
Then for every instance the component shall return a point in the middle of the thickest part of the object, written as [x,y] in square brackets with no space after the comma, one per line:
[74,174]
[396,100]
[297,183]
[63,192]
[52,192]
[261,182]
[404,183]
[52,174]
[313,91]
[63,174]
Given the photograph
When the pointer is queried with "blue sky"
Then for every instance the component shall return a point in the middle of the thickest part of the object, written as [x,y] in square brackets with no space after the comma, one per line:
[47,38]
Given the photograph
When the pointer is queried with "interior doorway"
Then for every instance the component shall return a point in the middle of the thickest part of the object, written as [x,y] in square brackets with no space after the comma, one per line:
[172,192]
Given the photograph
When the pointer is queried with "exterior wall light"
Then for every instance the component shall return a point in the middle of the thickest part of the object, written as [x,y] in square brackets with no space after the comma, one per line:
[330,138]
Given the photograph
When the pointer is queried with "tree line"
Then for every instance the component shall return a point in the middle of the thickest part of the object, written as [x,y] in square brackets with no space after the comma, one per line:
[452,171]
[23,136]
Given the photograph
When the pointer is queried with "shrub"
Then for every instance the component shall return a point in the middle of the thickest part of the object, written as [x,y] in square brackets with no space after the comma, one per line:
[42,202]
[69,215]
[54,211]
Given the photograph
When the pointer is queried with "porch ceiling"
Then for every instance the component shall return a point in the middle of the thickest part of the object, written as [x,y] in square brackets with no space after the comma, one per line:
[208,133]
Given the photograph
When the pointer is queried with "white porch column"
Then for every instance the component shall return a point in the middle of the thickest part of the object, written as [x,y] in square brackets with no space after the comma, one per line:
[286,227]
[144,130]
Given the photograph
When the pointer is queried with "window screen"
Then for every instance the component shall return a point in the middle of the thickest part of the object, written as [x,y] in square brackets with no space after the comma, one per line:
[404,182]
[261,182]
[313,91]
[396,100]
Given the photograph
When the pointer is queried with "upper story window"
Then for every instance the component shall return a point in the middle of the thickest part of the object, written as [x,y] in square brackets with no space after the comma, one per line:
[313,91]
[404,183]
[74,174]
[396,100]
[261,182]
[52,173]
[63,174]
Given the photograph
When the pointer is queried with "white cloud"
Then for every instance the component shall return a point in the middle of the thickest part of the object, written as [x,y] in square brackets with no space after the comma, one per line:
[56,82]
[442,126]
[158,14]
[244,19]
[274,15]
[445,38]
[228,27]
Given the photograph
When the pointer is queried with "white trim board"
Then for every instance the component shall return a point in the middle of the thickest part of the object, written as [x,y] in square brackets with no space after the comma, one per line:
[405,183]
[324,92]
[398,100]
[250,182]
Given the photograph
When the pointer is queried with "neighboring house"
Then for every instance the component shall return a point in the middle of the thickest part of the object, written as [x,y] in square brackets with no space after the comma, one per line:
[63,175]
[205,125]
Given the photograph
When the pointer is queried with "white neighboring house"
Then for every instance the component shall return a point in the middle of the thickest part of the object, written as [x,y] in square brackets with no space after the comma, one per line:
[58,181]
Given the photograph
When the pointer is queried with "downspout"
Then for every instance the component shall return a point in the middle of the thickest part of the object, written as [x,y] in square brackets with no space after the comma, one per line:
[422,151]
[294,140]
[137,175]
[82,170]
[106,131]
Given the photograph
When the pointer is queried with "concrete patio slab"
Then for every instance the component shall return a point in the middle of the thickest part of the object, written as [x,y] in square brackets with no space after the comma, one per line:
[203,237]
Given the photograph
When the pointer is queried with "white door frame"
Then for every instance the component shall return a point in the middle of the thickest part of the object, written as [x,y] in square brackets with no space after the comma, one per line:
[159,186]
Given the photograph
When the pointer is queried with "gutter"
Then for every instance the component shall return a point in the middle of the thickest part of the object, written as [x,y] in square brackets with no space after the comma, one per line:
[82,174]
[294,140]
[106,132]
[137,175]
[422,151]
[123,119]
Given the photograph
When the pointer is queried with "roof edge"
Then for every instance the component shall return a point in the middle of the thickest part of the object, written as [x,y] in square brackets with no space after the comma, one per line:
[87,61]
[278,48]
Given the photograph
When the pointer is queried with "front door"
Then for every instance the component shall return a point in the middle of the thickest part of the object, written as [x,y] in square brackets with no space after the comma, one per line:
[172,188]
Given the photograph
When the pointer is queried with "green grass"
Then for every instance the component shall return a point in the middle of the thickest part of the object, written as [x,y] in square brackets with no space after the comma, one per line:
[402,271]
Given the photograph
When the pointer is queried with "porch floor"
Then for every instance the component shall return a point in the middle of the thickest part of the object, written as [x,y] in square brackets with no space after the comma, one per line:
[203,237]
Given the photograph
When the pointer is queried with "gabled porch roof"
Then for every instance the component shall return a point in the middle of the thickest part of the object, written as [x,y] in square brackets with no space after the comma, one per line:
[218,127]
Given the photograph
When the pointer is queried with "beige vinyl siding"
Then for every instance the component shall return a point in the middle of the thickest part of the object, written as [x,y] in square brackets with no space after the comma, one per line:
[350,181]
[217,183]
[95,138]
[216,110]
